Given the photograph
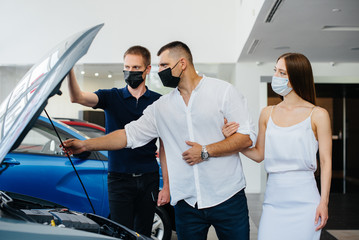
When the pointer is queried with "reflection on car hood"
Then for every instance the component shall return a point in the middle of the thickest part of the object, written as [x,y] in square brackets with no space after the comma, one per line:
[25,103]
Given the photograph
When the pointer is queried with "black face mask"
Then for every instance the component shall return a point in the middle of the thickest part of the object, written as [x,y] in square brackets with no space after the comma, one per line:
[167,79]
[133,78]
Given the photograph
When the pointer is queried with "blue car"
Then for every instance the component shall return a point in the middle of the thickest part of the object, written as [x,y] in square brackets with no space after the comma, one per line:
[45,172]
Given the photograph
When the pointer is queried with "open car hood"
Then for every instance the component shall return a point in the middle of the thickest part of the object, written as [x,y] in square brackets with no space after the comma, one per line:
[25,103]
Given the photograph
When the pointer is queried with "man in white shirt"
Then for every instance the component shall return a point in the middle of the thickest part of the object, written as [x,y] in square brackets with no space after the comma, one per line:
[205,171]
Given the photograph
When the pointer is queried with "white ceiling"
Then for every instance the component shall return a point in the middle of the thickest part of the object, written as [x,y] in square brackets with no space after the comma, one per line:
[297,27]
[30,28]
[214,30]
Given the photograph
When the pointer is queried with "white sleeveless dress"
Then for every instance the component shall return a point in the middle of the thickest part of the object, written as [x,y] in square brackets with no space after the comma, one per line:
[291,196]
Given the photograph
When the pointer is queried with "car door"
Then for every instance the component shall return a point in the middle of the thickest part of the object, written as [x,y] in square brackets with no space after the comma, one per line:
[45,172]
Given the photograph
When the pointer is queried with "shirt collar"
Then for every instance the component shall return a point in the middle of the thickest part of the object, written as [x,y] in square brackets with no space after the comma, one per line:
[126,93]
[200,83]
[197,87]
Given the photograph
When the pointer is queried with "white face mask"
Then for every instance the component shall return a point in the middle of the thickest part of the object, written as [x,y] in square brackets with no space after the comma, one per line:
[280,86]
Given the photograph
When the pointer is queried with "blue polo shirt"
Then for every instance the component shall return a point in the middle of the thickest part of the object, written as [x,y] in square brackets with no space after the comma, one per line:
[121,108]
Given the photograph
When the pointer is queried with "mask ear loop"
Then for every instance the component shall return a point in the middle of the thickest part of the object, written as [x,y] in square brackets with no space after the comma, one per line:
[145,69]
[175,66]
[144,78]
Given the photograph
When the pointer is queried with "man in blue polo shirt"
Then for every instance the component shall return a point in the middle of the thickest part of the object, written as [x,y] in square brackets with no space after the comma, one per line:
[133,179]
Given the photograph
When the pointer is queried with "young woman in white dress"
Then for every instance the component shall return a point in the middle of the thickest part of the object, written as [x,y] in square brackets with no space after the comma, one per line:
[288,140]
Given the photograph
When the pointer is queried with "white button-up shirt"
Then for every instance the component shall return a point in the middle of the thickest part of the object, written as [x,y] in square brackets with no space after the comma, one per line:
[211,182]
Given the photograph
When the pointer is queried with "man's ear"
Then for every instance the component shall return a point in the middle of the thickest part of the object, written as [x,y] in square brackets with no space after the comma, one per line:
[148,70]
[184,63]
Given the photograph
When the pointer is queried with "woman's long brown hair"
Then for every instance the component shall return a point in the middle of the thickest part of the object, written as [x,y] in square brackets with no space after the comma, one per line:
[300,75]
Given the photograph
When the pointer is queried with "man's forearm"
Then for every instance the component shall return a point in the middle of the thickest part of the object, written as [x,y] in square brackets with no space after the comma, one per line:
[74,88]
[233,144]
[113,141]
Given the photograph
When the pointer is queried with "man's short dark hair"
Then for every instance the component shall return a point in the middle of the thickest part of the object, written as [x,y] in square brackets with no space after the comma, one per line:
[178,47]
[142,51]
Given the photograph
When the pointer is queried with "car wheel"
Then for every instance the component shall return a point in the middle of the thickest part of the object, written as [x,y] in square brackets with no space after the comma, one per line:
[161,228]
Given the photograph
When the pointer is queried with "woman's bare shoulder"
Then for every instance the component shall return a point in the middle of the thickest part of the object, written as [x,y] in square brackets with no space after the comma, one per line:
[268,108]
[266,111]
[320,113]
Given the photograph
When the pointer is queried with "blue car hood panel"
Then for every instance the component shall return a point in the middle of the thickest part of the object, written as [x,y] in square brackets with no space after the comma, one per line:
[25,103]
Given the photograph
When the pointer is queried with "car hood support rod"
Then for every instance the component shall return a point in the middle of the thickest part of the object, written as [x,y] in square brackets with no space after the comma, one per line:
[73,166]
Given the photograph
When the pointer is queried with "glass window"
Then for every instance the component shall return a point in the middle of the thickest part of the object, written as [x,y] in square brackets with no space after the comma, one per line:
[42,139]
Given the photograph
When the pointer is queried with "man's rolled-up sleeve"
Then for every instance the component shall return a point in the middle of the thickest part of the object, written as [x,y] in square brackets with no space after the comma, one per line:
[236,110]
[143,130]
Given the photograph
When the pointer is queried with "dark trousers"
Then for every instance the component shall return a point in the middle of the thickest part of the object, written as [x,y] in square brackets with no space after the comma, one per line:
[229,219]
[131,200]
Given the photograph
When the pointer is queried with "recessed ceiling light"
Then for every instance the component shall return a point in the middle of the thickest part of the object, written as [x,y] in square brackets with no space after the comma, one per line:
[96,74]
[341,28]
[82,72]
[336,10]
[109,76]
[282,48]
